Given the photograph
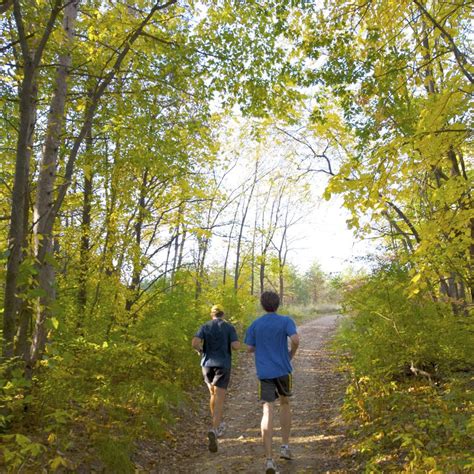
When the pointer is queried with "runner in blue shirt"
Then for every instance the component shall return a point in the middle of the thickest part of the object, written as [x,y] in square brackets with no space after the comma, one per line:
[214,342]
[267,337]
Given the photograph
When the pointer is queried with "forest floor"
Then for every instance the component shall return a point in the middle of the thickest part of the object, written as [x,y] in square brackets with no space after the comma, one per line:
[318,438]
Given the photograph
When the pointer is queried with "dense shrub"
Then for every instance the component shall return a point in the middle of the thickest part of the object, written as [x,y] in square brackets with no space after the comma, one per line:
[410,360]
[98,392]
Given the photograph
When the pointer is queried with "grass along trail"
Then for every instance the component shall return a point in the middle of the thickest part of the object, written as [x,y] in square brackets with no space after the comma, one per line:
[318,435]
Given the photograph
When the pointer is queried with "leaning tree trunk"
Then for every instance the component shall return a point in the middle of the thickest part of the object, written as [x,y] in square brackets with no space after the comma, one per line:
[175,256]
[200,270]
[45,189]
[254,239]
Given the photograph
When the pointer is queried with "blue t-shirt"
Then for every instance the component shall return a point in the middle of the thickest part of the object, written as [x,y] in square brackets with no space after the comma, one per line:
[269,335]
[217,336]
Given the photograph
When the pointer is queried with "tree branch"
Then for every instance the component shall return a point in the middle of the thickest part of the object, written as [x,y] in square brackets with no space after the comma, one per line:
[460,57]
[313,151]
[405,219]
[89,114]
[47,32]
[5,5]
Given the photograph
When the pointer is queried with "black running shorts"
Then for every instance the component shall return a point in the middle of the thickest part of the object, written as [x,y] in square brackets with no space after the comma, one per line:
[270,389]
[218,376]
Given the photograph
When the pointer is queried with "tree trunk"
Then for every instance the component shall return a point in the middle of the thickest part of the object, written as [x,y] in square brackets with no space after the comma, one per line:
[262,273]
[203,244]
[19,209]
[241,230]
[137,264]
[229,243]
[85,231]
[19,212]
[281,283]
[25,312]
[254,238]
[45,189]
[181,250]
[175,256]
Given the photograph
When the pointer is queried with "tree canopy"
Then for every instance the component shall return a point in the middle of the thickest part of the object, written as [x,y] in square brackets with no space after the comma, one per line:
[156,157]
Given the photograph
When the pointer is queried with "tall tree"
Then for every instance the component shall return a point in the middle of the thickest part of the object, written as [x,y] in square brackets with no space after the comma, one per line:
[31,57]
[46,182]
[400,85]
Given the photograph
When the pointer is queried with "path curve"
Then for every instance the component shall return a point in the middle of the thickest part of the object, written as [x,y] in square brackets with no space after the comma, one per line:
[318,434]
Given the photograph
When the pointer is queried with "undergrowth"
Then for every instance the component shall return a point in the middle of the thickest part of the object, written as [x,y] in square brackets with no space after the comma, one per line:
[96,394]
[411,366]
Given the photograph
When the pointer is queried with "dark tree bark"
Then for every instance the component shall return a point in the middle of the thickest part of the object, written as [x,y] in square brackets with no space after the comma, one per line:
[229,244]
[85,231]
[18,224]
[241,229]
[267,234]
[137,264]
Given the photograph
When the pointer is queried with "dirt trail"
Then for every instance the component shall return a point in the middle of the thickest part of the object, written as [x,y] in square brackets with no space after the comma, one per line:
[318,435]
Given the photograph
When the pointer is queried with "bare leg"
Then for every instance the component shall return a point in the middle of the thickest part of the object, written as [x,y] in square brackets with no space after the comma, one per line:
[285,419]
[212,399]
[267,428]
[215,406]
[219,397]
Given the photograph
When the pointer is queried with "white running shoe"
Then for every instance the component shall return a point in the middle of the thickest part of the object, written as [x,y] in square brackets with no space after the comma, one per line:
[220,429]
[285,452]
[270,467]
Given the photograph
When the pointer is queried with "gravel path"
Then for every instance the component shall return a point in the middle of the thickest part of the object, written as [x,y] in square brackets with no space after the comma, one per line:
[318,434]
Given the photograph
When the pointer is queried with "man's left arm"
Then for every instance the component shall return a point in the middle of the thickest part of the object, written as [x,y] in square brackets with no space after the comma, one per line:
[294,337]
[294,342]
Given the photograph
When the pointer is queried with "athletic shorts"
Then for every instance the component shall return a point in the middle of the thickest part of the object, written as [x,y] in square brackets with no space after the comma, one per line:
[218,376]
[270,389]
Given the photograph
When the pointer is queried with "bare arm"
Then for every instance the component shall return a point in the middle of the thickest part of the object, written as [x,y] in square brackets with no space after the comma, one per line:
[295,342]
[250,349]
[235,345]
[196,342]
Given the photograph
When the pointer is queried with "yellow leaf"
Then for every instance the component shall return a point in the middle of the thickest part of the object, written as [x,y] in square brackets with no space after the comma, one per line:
[57,462]
[416,278]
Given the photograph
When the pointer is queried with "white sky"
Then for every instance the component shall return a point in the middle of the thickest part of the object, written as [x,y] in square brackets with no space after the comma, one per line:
[322,235]
[326,239]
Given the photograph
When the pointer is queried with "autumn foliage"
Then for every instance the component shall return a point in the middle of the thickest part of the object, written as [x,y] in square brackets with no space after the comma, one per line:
[121,176]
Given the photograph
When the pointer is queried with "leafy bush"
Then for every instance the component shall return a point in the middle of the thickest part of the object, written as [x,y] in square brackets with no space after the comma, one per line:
[410,361]
[96,392]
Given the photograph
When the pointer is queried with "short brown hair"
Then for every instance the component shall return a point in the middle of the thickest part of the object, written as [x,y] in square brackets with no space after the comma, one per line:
[270,301]
[218,310]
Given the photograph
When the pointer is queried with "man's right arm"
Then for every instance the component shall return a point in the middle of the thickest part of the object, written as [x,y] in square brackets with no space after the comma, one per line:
[234,339]
[196,342]
[250,339]
[235,345]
